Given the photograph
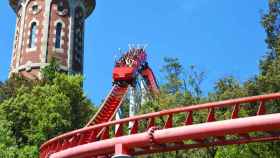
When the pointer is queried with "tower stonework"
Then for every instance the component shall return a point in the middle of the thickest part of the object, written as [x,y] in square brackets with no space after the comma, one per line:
[47,29]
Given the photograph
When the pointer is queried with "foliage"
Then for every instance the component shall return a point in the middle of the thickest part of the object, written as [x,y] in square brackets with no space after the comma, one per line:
[173,70]
[8,146]
[49,72]
[8,88]
[35,111]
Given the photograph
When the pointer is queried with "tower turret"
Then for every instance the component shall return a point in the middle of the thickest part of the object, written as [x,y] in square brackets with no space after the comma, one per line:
[47,29]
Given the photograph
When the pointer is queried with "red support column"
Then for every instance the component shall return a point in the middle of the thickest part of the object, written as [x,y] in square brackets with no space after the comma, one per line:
[121,151]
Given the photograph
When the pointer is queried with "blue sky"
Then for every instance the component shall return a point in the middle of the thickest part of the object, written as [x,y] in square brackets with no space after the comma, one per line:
[220,37]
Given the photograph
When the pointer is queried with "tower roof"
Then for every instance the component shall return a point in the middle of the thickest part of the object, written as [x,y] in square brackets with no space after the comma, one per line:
[89,4]
[13,3]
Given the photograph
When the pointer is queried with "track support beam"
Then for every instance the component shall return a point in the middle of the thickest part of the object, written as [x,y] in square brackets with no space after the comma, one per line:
[121,151]
[122,156]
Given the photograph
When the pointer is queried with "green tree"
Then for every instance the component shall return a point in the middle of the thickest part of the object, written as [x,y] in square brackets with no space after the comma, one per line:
[227,88]
[173,71]
[269,76]
[32,112]
[8,88]
[49,72]
[8,146]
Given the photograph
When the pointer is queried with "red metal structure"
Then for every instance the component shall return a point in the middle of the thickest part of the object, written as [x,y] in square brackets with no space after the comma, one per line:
[130,65]
[245,120]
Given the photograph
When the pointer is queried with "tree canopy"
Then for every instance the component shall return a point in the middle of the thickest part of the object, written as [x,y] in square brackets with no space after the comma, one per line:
[32,112]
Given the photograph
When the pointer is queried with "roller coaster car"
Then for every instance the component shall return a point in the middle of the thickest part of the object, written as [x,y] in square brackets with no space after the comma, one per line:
[123,73]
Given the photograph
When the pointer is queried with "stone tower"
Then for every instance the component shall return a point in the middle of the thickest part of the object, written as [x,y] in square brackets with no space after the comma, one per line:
[47,29]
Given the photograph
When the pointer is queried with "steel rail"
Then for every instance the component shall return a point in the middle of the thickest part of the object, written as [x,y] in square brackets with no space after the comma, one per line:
[219,104]
[68,137]
[198,131]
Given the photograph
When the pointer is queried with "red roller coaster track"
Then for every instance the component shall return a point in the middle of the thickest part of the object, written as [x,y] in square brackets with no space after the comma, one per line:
[246,120]
[125,73]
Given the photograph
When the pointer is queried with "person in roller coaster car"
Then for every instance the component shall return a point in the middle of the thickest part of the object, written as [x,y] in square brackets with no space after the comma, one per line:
[131,58]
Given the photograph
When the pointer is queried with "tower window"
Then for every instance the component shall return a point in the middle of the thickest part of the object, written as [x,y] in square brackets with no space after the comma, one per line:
[35,8]
[58,35]
[32,36]
[60,7]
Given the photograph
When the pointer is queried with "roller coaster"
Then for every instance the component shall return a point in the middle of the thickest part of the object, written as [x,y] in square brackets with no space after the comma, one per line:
[248,120]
